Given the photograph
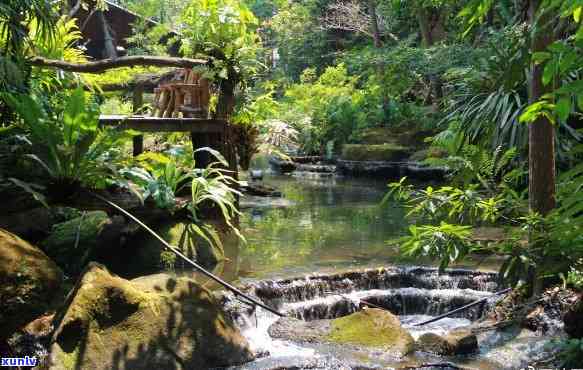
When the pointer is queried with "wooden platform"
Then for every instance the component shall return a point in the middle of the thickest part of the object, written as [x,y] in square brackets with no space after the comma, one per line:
[156,124]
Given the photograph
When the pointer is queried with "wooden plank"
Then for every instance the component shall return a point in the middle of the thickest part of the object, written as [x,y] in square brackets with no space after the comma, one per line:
[158,124]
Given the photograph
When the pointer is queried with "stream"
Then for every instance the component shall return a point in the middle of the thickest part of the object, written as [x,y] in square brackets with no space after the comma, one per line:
[323,248]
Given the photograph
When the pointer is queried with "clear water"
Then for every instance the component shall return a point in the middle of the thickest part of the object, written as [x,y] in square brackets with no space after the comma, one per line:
[322,225]
[330,224]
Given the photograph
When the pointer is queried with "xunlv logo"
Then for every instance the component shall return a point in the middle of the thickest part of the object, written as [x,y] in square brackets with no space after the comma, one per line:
[18,361]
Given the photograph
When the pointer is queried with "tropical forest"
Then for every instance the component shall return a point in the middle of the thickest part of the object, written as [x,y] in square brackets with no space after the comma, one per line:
[291,184]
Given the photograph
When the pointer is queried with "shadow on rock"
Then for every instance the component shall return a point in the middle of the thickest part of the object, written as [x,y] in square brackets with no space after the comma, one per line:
[112,323]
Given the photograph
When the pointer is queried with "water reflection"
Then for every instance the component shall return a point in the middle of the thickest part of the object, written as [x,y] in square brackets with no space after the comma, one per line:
[331,223]
[322,225]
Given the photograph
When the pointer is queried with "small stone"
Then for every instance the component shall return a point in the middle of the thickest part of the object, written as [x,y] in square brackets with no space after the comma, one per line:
[458,342]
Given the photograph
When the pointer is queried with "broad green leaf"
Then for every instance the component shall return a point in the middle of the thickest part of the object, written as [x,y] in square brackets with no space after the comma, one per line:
[541,56]
[577,14]
[563,108]
[549,73]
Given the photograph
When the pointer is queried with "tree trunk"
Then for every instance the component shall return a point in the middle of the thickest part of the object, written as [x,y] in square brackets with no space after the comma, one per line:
[376,34]
[424,27]
[541,133]
[432,31]
[541,138]
[107,64]
[74,9]
[430,25]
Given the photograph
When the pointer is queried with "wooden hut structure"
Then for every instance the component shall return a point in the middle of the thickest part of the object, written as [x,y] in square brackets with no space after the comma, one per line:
[181,104]
[105,33]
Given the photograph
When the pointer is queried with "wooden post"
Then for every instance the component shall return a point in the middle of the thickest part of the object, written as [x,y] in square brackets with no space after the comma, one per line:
[225,110]
[226,106]
[211,140]
[138,102]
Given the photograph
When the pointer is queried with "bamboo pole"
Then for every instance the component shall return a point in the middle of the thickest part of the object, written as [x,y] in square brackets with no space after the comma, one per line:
[463,308]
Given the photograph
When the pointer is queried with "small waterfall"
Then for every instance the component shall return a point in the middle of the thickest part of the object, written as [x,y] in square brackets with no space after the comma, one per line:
[279,292]
[413,293]
[402,301]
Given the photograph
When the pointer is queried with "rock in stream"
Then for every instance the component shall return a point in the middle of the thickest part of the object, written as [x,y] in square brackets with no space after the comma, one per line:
[367,328]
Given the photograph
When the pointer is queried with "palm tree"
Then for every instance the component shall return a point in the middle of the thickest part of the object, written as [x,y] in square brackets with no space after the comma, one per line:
[16,20]
[16,17]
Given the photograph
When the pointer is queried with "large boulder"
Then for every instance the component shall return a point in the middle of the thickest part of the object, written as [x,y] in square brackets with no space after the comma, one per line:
[457,342]
[75,242]
[29,281]
[367,328]
[112,323]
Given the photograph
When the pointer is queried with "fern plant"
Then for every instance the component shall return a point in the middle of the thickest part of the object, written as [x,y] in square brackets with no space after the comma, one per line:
[491,170]
[68,144]
[448,215]
[61,45]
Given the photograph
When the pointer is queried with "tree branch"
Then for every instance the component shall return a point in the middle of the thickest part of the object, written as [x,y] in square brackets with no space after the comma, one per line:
[353,16]
[107,64]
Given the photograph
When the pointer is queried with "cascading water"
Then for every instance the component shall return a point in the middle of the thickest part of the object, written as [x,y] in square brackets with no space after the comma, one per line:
[413,293]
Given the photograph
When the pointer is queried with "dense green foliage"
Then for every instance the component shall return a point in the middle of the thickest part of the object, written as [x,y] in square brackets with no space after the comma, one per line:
[470,78]
[52,116]
[66,140]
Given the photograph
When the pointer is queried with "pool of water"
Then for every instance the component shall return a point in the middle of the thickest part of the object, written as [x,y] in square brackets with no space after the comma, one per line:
[324,224]
[319,225]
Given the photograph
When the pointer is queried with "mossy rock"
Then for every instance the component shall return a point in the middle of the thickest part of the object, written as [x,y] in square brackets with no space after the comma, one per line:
[111,323]
[371,328]
[151,255]
[429,153]
[457,342]
[573,319]
[406,135]
[29,282]
[382,152]
[72,243]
